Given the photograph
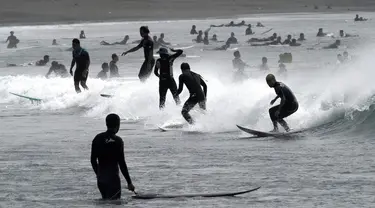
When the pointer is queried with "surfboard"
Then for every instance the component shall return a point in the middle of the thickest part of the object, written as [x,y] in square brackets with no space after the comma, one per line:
[167,196]
[27,97]
[105,95]
[269,134]
[172,127]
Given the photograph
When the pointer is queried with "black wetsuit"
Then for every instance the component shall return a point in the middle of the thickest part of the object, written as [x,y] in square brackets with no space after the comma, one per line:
[193,32]
[113,69]
[199,39]
[205,40]
[248,31]
[287,41]
[13,41]
[107,154]
[148,64]
[193,82]
[166,80]
[288,104]
[82,60]
[41,63]
[232,40]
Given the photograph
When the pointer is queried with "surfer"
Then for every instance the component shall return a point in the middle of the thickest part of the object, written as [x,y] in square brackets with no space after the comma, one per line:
[294,43]
[358,19]
[166,80]
[248,30]
[148,49]
[113,69]
[103,73]
[321,33]
[199,38]
[193,30]
[264,65]
[13,41]
[301,37]
[82,35]
[346,35]
[221,48]
[334,45]
[282,69]
[107,154]
[58,69]
[43,62]
[340,59]
[81,59]
[214,38]
[288,40]
[193,82]
[346,57]
[288,104]
[239,66]
[275,42]
[232,39]
[157,44]
[54,42]
[161,40]
[205,38]
[271,38]
[123,42]
[259,24]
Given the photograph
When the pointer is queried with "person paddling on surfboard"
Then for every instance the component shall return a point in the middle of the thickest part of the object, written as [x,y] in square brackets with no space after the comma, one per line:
[193,82]
[81,59]
[107,154]
[148,49]
[166,80]
[288,104]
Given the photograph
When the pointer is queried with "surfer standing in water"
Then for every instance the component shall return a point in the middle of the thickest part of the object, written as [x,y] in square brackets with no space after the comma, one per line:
[166,80]
[107,154]
[13,41]
[81,59]
[193,82]
[148,49]
[288,104]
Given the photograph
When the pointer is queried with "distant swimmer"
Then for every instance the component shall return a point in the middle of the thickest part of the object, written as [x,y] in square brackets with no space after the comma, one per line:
[248,30]
[166,80]
[321,33]
[232,39]
[148,50]
[282,70]
[340,59]
[242,23]
[294,43]
[113,69]
[346,35]
[54,42]
[123,42]
[157,45]
[58,69]
[81,59]
[288,104]
[271,38]
[264,65]
[275,42]
[82,35]
[239,66]
[301,37]
[103,73]
[43,62]
[214,38]
[205,38]
[260,24]
[161,40]
[346,57]
[288,40]
[13,41]
[221,48]
[199,38]
[358,19]
[107,155]
[334,45]
[193,30]
[193,82]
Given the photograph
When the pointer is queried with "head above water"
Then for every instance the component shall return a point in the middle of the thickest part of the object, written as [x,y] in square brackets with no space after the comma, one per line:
[249,25]
[279,38]
[274,35]
[155,38]
[193,27]
[163,52]
[113,123]
[144,31]
[271,80]
[114,57]
[232,34]
[237,54]
[264,60]
[76,43]
[185,67]
[11,32]
[346,54]
[200,32]
[294,40]
[302,35]
[162,35]
[46,58]
[126,37]
[341,32]
[82,32]
[320,30]
[214,36]
[105,66]
[54,63]
[289,36]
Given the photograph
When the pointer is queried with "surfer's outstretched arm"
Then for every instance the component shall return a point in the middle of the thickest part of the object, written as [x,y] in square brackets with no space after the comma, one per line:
[133,49]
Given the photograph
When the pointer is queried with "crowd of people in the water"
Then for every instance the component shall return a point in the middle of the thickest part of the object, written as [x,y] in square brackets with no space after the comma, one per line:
[107,148]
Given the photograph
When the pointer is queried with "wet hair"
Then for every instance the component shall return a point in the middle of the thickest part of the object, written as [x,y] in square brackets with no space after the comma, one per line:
[270,77]
[264,59]
[46,57]
[112,120]
[105,65]
[301,34]
[144,29]
[114,55]
[193,26]
[54,63]
[185,66]
[126,36]
[76,41]
[290,36]
[236,54]
[294,40]
[232,33]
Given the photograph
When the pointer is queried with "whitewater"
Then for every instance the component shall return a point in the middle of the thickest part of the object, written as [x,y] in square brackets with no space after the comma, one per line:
[45,150]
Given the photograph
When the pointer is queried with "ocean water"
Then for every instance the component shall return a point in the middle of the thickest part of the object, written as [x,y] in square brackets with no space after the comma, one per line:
[45,148]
